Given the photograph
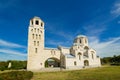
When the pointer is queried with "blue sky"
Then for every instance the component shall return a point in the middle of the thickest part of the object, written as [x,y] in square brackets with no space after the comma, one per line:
[99,20]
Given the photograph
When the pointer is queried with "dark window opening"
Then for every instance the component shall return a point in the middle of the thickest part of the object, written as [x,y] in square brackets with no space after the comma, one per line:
[34,43]
[42,24]
[75,63]
[33,36]
[35,50]
[37,22]
[80,40]
[38,43]
[92,56]
[32,22]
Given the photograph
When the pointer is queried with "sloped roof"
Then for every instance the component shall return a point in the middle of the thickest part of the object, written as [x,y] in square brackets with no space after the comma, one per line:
[69,56]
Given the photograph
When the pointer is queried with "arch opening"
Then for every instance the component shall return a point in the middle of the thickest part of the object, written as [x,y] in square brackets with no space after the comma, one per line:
[52,62]
[86,63]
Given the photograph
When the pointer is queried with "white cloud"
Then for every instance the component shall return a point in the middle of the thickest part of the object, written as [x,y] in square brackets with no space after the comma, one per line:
[65,35]
[57,43]
[94,29]
[108,48]
[12,52]
[4,43]
[116,9]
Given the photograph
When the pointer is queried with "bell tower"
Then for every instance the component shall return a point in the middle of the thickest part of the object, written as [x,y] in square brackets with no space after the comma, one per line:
[35,41]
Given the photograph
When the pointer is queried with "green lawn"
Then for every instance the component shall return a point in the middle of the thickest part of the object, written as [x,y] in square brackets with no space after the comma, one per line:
[103,73]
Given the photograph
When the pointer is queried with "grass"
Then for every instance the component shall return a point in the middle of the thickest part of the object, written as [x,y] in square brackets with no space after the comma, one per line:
[16,75]
[103,73]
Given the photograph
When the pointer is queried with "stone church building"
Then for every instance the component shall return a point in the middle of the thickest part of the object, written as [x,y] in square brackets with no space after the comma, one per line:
[78,56]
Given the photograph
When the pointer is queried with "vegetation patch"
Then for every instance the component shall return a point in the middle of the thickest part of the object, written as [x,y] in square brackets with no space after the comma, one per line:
[15,65]
[102,73]
[114,61]
[16,75]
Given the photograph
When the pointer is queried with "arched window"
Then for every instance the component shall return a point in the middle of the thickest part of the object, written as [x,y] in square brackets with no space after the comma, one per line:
[85,55]
[85,40]
[39,36]
[33,36]
[36,36]
[35,29]
[38,30]
[37,43]
[80,40]
[54,52]
[37,22]
[41,24]
[32,22]
[92,56]
[35,50]
[34,43]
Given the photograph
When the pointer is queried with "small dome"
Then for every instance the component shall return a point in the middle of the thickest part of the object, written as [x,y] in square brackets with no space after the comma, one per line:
[80,36]
[36,17]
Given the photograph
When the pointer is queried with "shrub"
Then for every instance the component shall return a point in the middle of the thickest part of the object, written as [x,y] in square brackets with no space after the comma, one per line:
[15,65]
[115,64]
[18,65]
[3,66]
[16,75]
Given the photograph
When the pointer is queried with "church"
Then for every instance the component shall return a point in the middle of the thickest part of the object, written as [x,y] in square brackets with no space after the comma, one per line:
[78,56]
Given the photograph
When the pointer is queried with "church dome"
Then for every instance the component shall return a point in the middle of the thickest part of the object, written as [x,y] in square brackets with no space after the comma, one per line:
[80,40]
[79,36]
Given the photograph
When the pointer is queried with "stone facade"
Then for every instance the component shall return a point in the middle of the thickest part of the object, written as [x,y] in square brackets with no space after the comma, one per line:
[79,55]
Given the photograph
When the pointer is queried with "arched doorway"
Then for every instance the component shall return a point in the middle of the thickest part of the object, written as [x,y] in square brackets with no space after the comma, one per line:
[86,63]
[52,62]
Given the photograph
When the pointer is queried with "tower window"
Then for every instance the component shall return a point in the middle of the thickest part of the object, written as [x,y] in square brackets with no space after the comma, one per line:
[37,22]
[32,22]
[35,29]
[35,50]
[33,36]
[34,43]
[42,24]
[37,43]
[38,30]
[39,37]
[36,36]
